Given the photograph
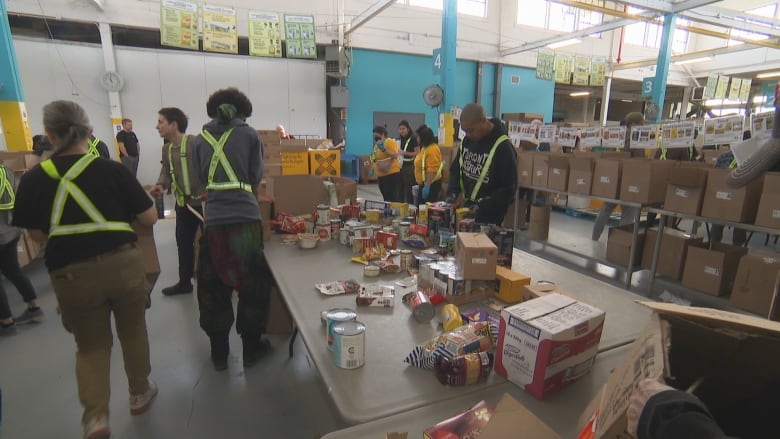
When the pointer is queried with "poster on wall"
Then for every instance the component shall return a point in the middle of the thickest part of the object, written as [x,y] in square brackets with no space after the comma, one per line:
[722,87]
[590,137]
[179,24]
[545,65]
[563,65]
[265,34]
[744,91]
[299,32]
[734,88]
[761,125]
[219,29]
[598,71]
[581,70]
[712,84]
[643,136]
[677,134]
[723,130]
[547,133]
[567,136]
[613,137]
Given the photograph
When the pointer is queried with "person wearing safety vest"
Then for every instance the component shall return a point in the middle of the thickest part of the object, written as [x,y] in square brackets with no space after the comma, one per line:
[97,147]
[408,151]
[484,171]
[386,166]
[84,206]
[179,175]
[9,261]
[428,166]
[228,157]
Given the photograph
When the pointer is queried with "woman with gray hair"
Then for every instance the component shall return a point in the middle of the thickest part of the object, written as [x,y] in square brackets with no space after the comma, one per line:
[84,207]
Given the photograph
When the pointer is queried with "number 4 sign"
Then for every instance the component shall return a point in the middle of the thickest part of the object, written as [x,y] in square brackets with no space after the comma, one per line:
[437,61]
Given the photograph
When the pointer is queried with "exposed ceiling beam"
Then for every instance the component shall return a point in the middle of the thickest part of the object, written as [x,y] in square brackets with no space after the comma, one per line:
[652,5]
[687,5]
[100,4]
[368,14]
[691,55]
[726,18]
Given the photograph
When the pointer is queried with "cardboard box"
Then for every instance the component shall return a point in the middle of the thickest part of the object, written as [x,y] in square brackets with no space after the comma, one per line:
[712,271]
[508,415]
[525,168]
[768,214]
[34,248]
[539,227]
[367,172]
[296,194]
[476,256]
[279,317]
[685,190]
[606,178]
[269,137]
[737,355]
[619,245]
[756,285]
[711,156]
[149,250]
[539,177]
[272,169]
[272,153]
[19,160]
[547,343]
[325,162]
[346,189]
[674,249]
[558,172]
[580,175]
[543,288]
[644,180]
[510,285]
[21,253]
[722,202]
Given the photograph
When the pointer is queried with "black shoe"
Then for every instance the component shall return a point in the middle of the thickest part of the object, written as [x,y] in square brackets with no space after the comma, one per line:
[220,348]
[178,288]
[254,348]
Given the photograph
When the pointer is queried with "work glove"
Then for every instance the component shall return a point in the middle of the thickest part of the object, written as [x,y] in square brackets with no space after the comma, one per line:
[426,192]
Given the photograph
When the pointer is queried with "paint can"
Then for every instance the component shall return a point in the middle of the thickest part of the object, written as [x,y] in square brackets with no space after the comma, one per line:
[349,344]
[336,316]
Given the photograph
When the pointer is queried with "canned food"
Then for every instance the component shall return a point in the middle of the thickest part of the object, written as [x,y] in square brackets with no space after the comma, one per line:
[403,230]
[336,316]
[422,308]
[344,236]
[349,344]
[323,232]
[323,215]
[371,271]
[456,285]
[450,317]
[406,260]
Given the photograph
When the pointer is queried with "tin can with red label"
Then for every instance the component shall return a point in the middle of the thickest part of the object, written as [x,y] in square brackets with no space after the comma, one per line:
[335,226]
[323,232]
[422,308]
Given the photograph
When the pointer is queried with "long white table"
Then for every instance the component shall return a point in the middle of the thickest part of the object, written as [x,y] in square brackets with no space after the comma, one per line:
[386,385]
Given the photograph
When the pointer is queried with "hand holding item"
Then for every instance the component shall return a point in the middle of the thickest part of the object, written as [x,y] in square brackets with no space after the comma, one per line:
[157,190]
[644,391]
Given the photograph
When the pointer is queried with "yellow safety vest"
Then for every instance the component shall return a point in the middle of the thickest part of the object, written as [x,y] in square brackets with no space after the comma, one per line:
[425,169]
[93,144]
[485,169]
[406,145]
[219,158]
[67,187]
[6,189]
[186,191]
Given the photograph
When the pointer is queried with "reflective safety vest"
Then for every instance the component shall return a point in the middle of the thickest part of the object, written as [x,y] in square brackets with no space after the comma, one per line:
[406,145]
[485,169]
[67,188]
[93,144]
[6,191]
[733,163]
[186,191]
[425,169]
[665,150]
[219,158]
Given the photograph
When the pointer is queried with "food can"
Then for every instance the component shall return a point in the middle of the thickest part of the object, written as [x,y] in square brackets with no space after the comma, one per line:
[450,317]
[308,226]
[403,230]
[335,227]
[371,271]
[336,316]
[323,232]
[344,236]
[422,308]
[406,260]
[456,285]
[349,344]
[323,215]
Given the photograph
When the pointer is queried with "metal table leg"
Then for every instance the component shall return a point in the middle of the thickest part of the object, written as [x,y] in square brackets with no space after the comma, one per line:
[656,253]
[292,341]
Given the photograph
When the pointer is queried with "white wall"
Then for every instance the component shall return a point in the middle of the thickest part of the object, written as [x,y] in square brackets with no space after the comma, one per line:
[289,92]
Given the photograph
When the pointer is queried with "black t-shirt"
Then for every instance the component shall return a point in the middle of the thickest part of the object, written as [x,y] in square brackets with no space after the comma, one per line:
[130,140]
[110,187]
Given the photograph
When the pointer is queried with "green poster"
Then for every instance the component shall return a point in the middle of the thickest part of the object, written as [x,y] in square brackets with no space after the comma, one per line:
[563,66]
[712,84]
[722,87]
[265,34]
[598,71]
[301,38]
[545,66]
[179,24]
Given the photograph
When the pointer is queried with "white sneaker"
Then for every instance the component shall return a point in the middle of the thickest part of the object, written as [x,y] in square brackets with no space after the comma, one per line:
[141,403]
[97,428]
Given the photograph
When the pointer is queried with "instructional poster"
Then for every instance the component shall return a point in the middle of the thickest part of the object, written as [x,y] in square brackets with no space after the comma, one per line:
[712,84]
[761,124]
[265,34]
[545,65]
[299,32]
[547,133]
[590,137]
[722,87]
[723,130]
[563,66]
[613,137]
[179,24]
[734,88]
[598,69]
[744,91]
[643,136]
[219,29]
[567,136]
[677,134]
[581,70]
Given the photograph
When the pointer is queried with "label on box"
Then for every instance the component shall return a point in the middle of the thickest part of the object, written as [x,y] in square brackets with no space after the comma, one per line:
[682,193]
[723,195]
[776,213]
[768,260]
[711,270]
[580,181]
[481,261]
[633,189]
[556,171]
[539,173]
[604,179]
[524,173]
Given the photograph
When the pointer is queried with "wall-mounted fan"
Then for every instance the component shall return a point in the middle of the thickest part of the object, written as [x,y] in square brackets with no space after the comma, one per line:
[433,95]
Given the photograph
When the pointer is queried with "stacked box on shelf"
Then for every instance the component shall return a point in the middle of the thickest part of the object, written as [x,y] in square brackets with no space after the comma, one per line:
[580,174]
[606,178]
[685,189]
[726,203]
[619,245]
[540,170]
[525,168]
[294,157]
[768,214]
[272,152]
[674,249]
[756,285]
[712,269]
[644,180]
[558,172]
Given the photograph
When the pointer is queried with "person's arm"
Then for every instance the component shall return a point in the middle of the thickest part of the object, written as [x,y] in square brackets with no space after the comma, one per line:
[29,212]
[255,160]
[148,217]
[433,161]
[120,140]
[391,148]
[504,174]
[103,150]
[453,187]
[164,180]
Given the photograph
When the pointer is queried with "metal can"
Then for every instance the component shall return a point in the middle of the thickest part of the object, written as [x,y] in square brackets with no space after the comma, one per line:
[349,345]
[456,285]
[159,203]
[450,317]
[323,232]
[344,236]
[403,230]
[422,308]
[336,316]
[335,227]
[323,215]
[371,271]
[406,260]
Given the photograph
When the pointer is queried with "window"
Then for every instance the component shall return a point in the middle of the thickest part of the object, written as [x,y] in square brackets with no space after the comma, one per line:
[768,11]
[532,12]
[562,17]
[548,14]
[680,39]
[477,8]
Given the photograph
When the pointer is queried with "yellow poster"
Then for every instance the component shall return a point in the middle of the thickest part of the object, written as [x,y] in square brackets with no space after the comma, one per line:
[219,29]
[563,65]
[734,88]
[265,34]
[179,24]
[722,88]
[598,71]
[581,70]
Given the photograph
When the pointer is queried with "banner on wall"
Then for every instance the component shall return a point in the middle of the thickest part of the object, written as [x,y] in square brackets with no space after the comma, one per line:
[301,41]
[179,24]
[567,136]
[563,66]
[734,88]
[265,34]
[590,137]
[545,65]
[723,130]
[613,137]
[598,71]
[677,134]
[761,125]
[712,84]
[547,133]
[219,29]
[722,87]
[643,136]
[744,91]
[581,70]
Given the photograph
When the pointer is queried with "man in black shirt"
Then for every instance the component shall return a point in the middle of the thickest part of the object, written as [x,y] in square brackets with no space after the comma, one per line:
[128,146]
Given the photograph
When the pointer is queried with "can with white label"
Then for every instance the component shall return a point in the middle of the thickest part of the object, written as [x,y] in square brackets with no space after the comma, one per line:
[323,215]
[336,316]
[349,345]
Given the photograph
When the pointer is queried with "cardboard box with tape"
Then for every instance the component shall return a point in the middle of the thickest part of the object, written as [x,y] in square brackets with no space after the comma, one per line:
[712,270]
[644,180]
[606,178]
[558,172]
[685,190]
[476,256]
[674,249]
[619,245]
[756,285]
[580,174]
[539,177]
[723,202]
[768,214]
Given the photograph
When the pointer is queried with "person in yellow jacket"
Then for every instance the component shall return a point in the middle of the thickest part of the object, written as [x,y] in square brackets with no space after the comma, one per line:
[386,166]
[428,166]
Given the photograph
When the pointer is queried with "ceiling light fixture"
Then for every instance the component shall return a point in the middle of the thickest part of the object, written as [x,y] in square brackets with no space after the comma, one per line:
[693,60]
[768,75]
[579,93]
[564,43]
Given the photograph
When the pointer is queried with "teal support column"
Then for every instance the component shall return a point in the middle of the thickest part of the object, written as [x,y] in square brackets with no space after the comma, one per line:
[662,67]
[13,114]
[449,39]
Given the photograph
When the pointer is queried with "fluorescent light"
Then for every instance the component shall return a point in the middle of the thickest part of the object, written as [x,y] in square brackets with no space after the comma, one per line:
[626,100]
[721,102]
[759,99]
[693,60]
[564,43]
[579,93]
[768,75]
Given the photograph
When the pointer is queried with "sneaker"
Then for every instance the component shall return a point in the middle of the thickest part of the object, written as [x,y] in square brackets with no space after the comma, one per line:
[141,403]
[29,316]
[220,348]
[8,330]
[254,348]
[97,428]
[178,288]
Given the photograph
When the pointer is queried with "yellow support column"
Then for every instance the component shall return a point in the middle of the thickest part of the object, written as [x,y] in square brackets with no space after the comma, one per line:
[13,113]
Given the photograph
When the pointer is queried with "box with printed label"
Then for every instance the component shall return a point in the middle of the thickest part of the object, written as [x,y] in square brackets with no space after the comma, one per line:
[712,270]
[558,172]
[476,256]
[685,189]
[726,203]
[606,178]
[769,206]
[539,177]
[756,286]
[525,168]
[580,175]
[644,180]
[674,248]
[547,343]
[619,245]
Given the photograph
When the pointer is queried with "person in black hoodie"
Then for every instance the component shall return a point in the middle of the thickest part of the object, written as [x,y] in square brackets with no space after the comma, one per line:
[484,171]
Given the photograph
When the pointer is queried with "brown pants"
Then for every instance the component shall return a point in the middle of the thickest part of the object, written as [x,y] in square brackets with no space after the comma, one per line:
[87,293]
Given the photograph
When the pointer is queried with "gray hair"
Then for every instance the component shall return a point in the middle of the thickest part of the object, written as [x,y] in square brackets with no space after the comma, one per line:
[68,121]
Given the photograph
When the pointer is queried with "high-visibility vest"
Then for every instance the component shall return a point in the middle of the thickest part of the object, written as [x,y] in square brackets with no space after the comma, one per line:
[186,191]
[425,169]
[93,146]
[733,163]
[485,169]
[6,191]
[219,158]
[67,187]
[406,145]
